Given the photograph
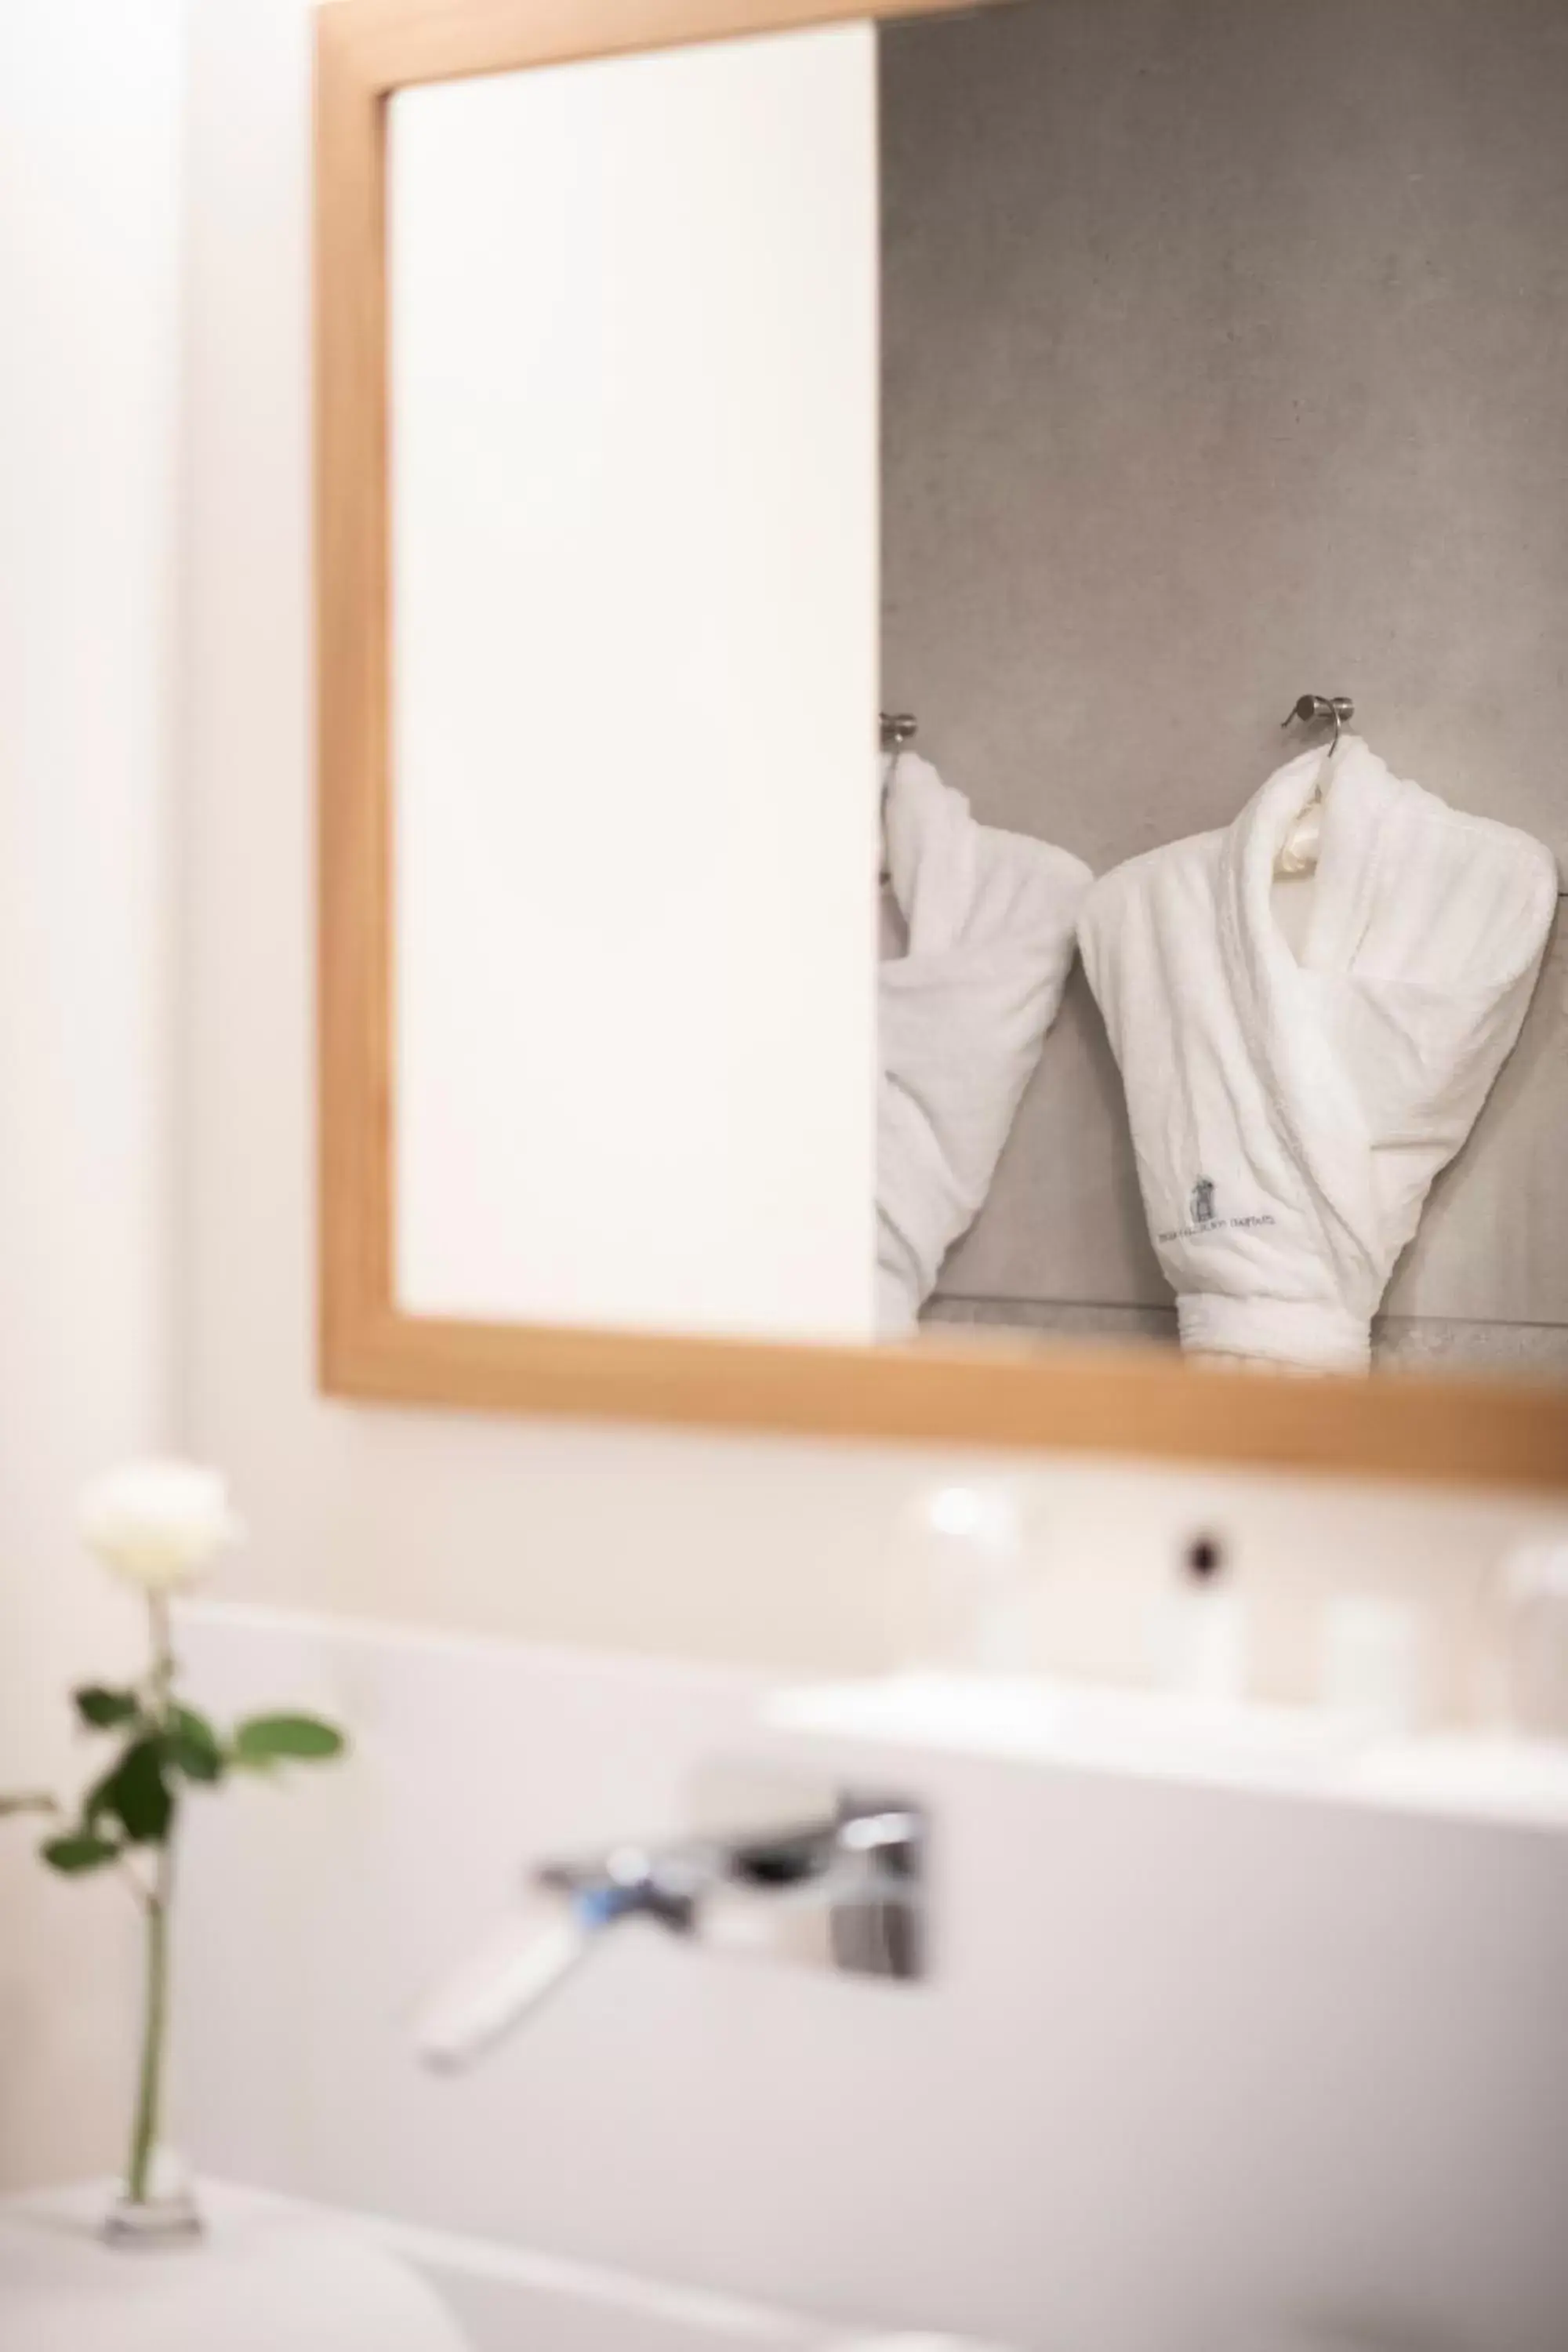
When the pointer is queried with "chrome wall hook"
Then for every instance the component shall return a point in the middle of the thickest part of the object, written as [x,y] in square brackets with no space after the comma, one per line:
[1312,710]
[898,727]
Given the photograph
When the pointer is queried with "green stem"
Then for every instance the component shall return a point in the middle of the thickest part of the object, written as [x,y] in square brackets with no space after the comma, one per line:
[163,1652]
[155,1996]
[155,2026]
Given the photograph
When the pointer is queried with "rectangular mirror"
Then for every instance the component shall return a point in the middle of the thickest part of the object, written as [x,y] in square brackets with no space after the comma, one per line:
[801,512]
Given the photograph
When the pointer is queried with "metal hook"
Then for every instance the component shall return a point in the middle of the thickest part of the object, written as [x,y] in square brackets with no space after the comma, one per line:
[898,727]
[1312,709]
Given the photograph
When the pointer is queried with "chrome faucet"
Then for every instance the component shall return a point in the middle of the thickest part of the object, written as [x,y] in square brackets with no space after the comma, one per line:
[844,1892]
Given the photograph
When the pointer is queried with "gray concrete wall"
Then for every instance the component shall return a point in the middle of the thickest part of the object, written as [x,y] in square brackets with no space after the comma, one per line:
[1225,352]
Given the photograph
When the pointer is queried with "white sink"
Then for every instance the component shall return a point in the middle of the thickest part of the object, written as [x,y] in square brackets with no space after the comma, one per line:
[507,2299]
[1098,1724]
[1148,1735]
[275,2268]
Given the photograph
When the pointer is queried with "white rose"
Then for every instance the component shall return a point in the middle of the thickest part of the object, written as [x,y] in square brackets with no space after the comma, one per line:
[158,1524]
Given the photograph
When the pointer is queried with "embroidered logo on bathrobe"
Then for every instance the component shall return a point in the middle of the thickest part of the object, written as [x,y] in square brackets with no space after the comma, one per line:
[1204,1219]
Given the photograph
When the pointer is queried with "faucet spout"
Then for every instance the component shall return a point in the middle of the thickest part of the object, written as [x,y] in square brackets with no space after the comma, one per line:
[505,1981]
[844,1892]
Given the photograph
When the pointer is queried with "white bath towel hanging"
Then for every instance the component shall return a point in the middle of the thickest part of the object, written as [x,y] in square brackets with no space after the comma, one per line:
[991,919]
[1288,1116]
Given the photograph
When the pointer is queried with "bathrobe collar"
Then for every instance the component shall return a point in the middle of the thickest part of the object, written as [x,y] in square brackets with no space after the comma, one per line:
[932,849]
[1361,797]
[1287,1006]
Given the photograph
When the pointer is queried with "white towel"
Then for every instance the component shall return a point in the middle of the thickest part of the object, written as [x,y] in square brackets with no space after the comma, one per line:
[991,918]
[1288,1118]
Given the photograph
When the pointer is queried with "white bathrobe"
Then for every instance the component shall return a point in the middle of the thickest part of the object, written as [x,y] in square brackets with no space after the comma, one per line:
[991,918]
[1288,1117]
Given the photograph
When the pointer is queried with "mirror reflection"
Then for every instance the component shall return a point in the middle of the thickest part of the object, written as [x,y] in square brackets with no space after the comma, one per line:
[978,686]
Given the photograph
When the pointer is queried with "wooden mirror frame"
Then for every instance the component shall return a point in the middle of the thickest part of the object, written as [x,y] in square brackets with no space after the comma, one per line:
[1396,1424]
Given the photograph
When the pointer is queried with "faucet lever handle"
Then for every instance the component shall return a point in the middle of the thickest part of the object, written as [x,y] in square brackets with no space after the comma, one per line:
[530,1954]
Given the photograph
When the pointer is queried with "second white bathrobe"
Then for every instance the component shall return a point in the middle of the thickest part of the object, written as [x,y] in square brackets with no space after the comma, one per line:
[1288,1117]
[991,920]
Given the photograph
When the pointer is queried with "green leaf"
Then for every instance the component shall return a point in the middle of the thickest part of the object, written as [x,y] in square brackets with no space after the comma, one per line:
[135,1793]
[81,1851]
[191,1745]
[302,1738]
[104,1708]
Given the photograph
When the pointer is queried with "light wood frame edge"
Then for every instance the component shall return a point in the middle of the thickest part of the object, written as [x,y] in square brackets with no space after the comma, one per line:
[1400,1426]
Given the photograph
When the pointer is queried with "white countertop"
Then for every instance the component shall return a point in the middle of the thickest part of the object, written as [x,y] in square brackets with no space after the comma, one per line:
[268,2273]
[1094,1727]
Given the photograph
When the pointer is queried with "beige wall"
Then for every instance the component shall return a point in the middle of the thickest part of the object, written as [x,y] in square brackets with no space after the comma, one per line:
[1224,349]
[89,254]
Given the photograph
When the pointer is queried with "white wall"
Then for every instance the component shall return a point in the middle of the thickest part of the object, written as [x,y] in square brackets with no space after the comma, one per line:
[634,497]
[90,95]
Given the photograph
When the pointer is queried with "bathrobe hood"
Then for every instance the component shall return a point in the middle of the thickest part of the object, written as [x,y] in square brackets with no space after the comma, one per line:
[992,919]
[1288,1117]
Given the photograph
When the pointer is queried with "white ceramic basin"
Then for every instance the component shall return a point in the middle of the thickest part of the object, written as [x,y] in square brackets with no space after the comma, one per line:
[1095,1725]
